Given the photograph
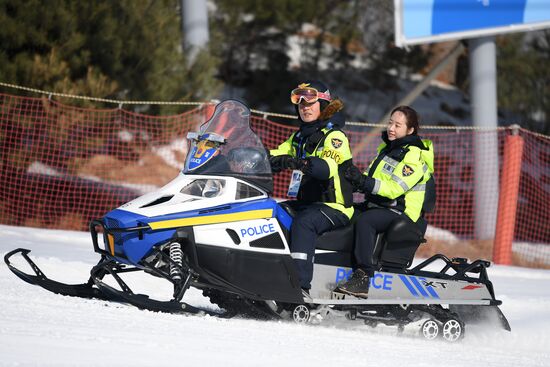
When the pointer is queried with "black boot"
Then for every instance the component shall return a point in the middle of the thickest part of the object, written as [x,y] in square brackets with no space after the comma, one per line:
[357,285]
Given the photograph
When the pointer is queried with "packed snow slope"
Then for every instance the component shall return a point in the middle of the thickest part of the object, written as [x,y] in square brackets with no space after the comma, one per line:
[38,328]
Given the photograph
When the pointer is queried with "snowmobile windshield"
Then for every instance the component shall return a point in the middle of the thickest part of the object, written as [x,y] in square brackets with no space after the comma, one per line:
[226,145]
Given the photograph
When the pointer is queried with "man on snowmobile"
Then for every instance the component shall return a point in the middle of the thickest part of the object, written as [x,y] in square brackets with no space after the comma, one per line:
[320,151]
[398,182]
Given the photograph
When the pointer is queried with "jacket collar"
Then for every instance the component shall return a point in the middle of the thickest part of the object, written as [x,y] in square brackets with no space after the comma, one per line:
[413,140]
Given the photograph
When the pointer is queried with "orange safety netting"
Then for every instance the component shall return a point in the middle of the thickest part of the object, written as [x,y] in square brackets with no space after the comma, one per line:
[62,166]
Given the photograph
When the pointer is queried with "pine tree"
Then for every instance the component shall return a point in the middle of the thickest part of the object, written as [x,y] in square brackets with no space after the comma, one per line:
[124,49]
[524,78]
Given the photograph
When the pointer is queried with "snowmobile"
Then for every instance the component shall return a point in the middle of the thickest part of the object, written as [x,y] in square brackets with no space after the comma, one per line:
[216,228]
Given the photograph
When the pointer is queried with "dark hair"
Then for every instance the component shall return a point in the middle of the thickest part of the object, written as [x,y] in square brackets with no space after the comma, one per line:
[410,115]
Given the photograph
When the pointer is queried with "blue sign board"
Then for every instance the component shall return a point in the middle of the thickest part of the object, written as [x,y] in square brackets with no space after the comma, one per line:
[424,21]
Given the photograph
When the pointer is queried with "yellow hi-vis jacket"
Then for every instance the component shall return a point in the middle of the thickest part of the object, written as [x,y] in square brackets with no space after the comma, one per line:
[401,171]
[333,148]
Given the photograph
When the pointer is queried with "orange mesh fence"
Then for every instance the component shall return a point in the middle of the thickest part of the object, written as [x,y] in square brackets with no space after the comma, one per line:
[62,166]
[532,223]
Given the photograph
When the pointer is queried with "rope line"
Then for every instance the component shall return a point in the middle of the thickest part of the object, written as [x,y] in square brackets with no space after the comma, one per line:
[434,127]
[95,99]
[540,135]
[291,117]
[120,103]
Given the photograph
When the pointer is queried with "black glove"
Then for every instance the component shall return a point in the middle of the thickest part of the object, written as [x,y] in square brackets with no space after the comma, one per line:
[359,181]
[354,175]
[282,162]
[296,163]
[303,165]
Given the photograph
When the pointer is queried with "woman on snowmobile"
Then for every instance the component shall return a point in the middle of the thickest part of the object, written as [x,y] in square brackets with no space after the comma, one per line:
[318,153]
[394,185]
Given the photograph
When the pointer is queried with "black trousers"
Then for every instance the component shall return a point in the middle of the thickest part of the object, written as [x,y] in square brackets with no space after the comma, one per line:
[368,225]
[310,221]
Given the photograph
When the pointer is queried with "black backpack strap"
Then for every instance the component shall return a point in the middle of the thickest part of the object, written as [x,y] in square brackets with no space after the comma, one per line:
[312,142]
[315,139]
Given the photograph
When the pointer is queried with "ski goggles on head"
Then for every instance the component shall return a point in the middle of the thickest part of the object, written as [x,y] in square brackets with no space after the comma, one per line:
[308,94]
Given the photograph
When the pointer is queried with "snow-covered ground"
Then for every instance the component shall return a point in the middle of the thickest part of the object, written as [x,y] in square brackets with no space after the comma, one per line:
[38,328]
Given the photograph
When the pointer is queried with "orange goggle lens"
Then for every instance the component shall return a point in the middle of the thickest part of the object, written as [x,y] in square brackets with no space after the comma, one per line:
[310,95]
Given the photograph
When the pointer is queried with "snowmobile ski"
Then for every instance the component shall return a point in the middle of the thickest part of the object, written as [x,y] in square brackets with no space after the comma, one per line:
[84,290]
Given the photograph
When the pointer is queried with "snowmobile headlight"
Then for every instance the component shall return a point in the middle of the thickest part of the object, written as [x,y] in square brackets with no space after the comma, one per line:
[212,188]
[206,188]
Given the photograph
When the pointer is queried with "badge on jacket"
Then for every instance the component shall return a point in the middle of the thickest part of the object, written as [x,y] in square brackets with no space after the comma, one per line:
[336,143]
[407,171]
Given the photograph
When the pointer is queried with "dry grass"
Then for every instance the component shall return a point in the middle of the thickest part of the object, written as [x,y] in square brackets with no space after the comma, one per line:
[519,261]
[469,249]
[69,221]
[149,170]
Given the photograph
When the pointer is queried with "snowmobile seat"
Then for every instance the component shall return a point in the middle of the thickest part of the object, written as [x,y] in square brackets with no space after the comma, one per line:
[395,248]
[340,239]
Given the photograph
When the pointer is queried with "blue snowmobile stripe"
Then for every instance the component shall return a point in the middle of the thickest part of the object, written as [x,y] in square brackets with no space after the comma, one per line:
[212,219]
[126,219]
[284,218]
[264,208]
[430,290]
[135,248]
[409,285]
[419,287]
